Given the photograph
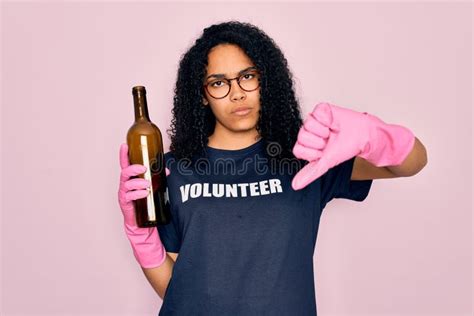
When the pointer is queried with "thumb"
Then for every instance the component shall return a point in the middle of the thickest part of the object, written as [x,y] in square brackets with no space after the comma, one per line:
[123,156]
[167,171]
[309,173]
[306,175]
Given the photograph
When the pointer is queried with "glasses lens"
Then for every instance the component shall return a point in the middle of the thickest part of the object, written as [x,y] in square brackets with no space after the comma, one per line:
[220,88]
[249,81]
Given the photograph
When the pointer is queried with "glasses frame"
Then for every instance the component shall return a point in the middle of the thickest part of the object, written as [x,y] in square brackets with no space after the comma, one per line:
[229,82]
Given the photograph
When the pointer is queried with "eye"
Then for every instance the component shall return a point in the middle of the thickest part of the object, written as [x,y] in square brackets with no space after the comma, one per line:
[215,84]
[251,76]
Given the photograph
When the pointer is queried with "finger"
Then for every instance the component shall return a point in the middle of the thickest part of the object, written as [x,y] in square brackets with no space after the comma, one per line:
[136,184]
[130,171]
[323,113]
[135,195]
[302,152]
[124,156]
[167,171]
[310,140]
[312,125]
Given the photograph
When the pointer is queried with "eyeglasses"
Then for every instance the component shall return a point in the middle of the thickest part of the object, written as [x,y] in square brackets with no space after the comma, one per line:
[220,88]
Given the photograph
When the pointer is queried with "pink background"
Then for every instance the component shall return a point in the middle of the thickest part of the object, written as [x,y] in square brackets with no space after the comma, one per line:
[67,73]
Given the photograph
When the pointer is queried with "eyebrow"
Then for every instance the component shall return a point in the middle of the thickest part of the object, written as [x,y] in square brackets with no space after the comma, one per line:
[240,72]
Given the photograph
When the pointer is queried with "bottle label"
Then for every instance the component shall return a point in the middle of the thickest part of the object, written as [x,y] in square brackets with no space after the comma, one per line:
[147,175]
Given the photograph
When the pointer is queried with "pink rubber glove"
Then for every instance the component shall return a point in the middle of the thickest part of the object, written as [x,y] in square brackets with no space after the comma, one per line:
[331,135]
[146,243]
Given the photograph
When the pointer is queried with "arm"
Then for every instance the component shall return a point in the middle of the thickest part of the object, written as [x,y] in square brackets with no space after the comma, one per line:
[413,163]
[332,134]
[156,263]
[159,277]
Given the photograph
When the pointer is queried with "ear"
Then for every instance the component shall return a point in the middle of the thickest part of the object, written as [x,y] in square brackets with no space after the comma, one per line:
[204,101]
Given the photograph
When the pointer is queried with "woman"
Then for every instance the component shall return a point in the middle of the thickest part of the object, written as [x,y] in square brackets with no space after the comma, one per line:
[247,200]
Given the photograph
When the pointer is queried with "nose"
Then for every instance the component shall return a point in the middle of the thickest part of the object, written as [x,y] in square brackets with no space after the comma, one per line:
[236,92]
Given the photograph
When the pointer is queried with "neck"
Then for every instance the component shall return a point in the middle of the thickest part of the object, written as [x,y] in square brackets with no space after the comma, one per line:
[233,141]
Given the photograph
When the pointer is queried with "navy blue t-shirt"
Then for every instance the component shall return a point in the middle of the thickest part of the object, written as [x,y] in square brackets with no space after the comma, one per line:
[245,238]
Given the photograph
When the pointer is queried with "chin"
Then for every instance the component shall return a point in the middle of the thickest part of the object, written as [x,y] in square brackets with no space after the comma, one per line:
[243,127]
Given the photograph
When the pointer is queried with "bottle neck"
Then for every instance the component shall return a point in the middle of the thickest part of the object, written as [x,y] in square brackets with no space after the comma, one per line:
[141,106]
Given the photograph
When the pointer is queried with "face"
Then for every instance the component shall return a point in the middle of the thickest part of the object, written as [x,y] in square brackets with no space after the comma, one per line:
[229,60]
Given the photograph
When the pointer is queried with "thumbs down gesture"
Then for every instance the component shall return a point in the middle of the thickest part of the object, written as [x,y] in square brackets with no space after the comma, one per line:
[332,134]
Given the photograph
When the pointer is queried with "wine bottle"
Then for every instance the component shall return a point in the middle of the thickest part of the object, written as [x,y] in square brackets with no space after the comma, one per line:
[145,147]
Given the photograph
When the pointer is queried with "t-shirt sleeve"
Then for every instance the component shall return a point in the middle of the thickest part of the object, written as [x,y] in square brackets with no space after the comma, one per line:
[337,183]
[169,234]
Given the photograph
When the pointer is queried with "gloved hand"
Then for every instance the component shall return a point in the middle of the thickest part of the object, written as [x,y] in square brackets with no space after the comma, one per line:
[331,135]
[146,243]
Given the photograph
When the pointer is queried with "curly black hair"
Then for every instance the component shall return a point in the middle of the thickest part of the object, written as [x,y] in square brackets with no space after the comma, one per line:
[279,117]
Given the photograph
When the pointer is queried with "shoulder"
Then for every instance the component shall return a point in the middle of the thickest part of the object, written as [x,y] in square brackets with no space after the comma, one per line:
[169,158]
[169,155]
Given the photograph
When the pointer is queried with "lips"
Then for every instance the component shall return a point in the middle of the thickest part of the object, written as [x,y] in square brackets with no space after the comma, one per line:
[241,108]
